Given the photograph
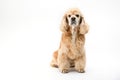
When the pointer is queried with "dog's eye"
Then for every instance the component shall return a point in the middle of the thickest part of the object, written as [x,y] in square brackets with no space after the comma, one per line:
[69,15]
[77,15]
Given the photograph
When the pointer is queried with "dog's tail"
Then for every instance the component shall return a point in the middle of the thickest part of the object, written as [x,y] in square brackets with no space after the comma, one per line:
[54,60]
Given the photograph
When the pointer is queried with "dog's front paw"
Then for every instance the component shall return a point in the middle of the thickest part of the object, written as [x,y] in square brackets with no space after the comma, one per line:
[81,71]
[64,70]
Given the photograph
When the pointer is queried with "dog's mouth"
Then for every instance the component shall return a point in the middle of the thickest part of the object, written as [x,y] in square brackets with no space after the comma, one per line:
[73,23]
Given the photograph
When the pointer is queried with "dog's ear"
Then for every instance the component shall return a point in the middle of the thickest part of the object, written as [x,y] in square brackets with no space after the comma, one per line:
[80,20]
[83,27]
[64,24]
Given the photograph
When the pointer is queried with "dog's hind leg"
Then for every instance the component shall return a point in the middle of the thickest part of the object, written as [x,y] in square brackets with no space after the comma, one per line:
[54,60]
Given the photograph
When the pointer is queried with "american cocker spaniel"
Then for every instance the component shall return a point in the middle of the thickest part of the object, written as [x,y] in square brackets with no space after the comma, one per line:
[71,52]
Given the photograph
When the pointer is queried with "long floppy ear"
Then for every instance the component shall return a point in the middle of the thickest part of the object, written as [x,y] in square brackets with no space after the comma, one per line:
[83,26]
[64,24]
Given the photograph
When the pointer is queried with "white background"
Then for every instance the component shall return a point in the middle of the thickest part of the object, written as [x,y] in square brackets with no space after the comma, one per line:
[29,34]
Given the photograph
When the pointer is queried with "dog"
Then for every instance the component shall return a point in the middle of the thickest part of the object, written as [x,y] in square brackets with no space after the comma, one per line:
[71,52]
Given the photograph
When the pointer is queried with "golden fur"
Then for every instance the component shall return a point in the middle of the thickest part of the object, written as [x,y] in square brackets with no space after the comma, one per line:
[71,52]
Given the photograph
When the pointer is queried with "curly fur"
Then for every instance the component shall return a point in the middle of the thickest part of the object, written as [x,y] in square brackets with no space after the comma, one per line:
[71,52]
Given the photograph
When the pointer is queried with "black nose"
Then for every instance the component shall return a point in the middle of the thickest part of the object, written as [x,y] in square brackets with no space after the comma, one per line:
[73,18]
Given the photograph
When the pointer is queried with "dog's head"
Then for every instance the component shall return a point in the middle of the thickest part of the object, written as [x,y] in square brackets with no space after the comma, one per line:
[72,20]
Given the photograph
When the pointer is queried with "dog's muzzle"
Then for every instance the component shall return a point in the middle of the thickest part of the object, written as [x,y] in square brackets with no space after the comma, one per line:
[73,21]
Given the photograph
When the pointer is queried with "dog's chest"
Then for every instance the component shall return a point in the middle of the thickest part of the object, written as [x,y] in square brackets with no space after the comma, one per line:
[74,52]
[74,38]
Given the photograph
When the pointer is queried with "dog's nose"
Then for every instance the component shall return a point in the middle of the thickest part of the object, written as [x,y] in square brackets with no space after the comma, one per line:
[73,18]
